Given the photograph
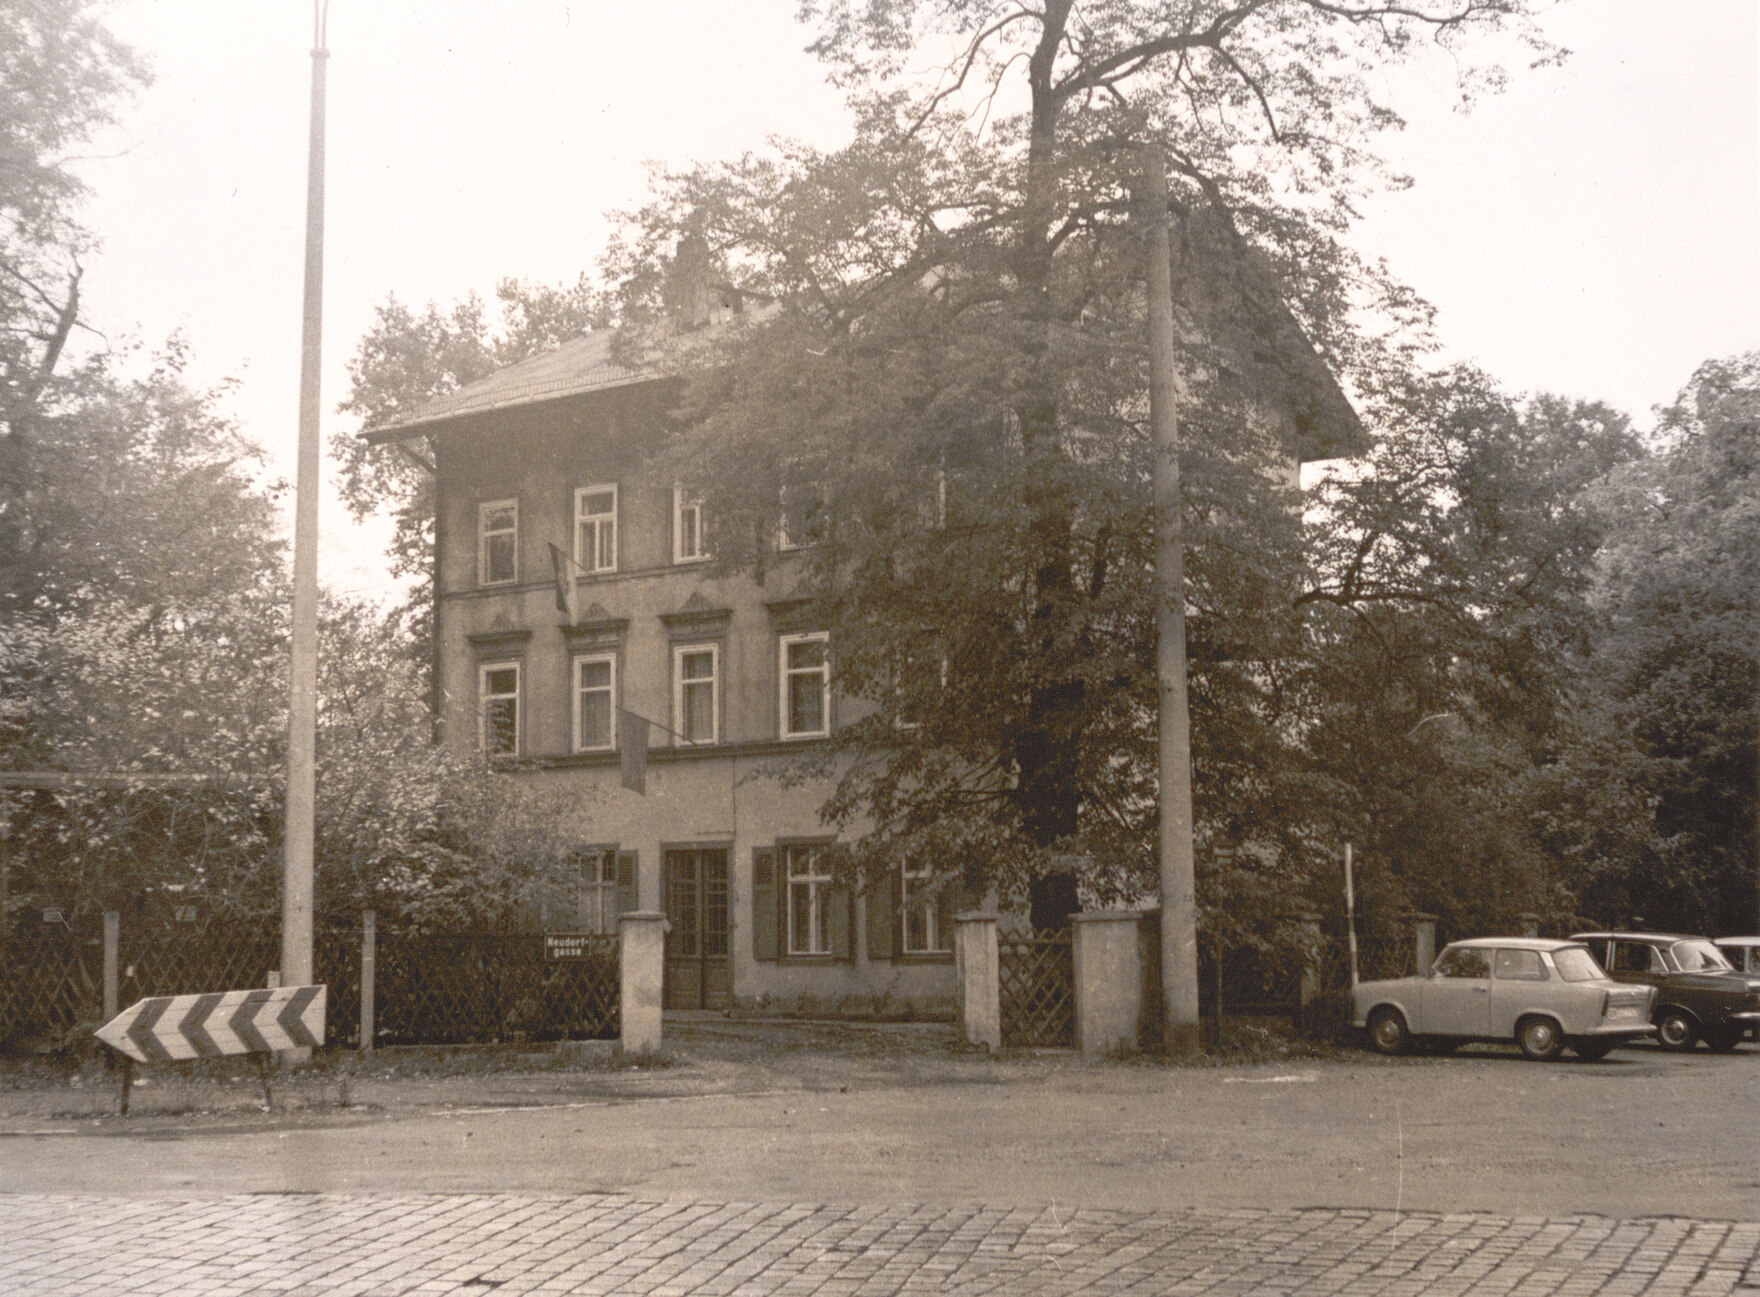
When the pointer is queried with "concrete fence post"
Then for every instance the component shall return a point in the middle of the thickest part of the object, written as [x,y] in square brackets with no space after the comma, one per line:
[1530,923]
[641,978]
[112,983]
[1109,981]
[977,970]
[1312,946]
[1423,940]
[369,958]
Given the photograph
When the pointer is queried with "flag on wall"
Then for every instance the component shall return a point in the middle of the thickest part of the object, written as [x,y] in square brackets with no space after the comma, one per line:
[567,570]
[632,750]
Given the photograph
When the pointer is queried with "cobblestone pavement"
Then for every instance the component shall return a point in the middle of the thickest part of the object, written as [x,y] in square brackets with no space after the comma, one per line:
[347,1246]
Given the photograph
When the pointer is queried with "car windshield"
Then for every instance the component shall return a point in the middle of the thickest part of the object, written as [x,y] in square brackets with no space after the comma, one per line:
[1575,964]
[1697,956]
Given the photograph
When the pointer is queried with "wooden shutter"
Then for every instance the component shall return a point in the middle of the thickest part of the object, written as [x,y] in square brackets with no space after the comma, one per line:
[627,894]
[843,921]
[882,918]
[765,896]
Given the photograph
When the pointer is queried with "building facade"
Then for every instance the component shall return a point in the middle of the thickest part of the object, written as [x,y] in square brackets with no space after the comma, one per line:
[658,674]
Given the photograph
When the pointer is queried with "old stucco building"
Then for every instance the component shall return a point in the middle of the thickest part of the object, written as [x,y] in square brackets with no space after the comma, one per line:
[724,676]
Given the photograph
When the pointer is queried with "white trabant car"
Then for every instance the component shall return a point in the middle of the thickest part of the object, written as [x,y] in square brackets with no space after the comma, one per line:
[1541,994]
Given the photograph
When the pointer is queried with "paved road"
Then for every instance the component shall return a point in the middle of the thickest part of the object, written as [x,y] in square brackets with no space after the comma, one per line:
[342,1246]
[1647,1135]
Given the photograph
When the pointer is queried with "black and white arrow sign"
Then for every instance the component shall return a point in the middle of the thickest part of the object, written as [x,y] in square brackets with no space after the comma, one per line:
[227,1022]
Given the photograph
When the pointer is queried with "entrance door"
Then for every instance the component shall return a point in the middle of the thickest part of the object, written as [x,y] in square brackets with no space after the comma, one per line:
[697,973]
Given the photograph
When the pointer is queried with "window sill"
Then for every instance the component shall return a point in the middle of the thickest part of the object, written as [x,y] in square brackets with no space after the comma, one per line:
[924,957]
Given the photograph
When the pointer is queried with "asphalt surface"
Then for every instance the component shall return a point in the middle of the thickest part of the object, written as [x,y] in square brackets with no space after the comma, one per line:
[1481,1173]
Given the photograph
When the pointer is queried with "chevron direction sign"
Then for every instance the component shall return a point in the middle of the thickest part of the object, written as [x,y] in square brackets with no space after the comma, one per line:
[227,1022]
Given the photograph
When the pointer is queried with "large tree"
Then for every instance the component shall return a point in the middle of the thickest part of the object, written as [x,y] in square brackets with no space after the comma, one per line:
[1451,598]
[61,76]
[955,334]
[1653,803]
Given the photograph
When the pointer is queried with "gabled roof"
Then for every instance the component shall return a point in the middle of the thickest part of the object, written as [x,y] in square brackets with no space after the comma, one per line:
[577,367]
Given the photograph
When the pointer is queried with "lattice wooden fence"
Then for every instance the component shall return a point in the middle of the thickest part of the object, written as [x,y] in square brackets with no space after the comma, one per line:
[1038,990]
[430,988]
[437,989]
[52,978]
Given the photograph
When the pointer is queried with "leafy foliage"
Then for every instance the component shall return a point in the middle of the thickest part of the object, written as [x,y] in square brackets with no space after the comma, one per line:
[950,366]
[1654,799]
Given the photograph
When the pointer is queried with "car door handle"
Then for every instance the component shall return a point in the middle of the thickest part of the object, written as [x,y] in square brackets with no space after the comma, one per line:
[1482,990]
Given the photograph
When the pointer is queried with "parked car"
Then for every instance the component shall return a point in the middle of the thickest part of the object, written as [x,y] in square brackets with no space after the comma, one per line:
[1540,993]
[1743,953]
[1699,995]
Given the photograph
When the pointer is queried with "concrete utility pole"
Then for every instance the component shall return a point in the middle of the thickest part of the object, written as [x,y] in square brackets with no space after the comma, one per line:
[302,711]
[1179,898]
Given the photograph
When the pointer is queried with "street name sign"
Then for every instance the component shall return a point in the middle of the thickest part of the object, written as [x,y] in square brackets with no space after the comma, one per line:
[167,1027]
[572,945]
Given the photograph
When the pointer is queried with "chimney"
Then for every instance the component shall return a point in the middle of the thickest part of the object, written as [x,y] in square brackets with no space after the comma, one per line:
[688,295]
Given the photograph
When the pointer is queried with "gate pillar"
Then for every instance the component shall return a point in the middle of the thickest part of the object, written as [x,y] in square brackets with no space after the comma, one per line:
[641,979]
[978,973]
[1423,941]
[1109,981]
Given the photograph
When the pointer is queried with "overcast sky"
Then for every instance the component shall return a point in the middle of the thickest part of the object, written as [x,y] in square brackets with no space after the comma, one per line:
[1593,231]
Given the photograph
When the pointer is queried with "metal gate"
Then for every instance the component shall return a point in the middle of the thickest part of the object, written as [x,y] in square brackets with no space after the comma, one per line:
[1037,978]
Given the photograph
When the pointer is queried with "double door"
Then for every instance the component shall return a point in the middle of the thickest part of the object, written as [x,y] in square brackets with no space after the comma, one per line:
[697,971]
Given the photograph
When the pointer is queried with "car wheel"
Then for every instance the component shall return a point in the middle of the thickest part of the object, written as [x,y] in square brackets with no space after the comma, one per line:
[1725,1040]
[1675,1029]
[1539,1038]
[1592,1049]
[1387,1031]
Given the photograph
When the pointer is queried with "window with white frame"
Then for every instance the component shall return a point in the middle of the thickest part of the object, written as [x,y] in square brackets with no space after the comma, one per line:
[498,698]
[596,891]
[696,692]
[805,673]
[595,703]
[803,518]
[497,542]
[688,542]
[923,933]
[919,679]
[807,870]
[595,527]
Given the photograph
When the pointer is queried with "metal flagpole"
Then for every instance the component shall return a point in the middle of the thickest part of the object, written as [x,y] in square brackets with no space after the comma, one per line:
[302,713]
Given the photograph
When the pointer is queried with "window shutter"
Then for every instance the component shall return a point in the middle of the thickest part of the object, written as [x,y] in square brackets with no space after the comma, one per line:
[764,902]
[626,882]
[881,915]
[842,915]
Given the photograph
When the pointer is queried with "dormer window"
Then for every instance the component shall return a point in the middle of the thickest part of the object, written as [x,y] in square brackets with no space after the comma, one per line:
[595,527]
[498,542]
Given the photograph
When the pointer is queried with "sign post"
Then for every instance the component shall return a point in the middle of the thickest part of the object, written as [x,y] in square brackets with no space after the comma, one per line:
[1350,912]
[169,1027]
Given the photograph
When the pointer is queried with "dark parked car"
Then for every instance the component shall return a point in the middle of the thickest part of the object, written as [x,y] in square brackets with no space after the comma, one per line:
[1699,995]
[1743,952]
